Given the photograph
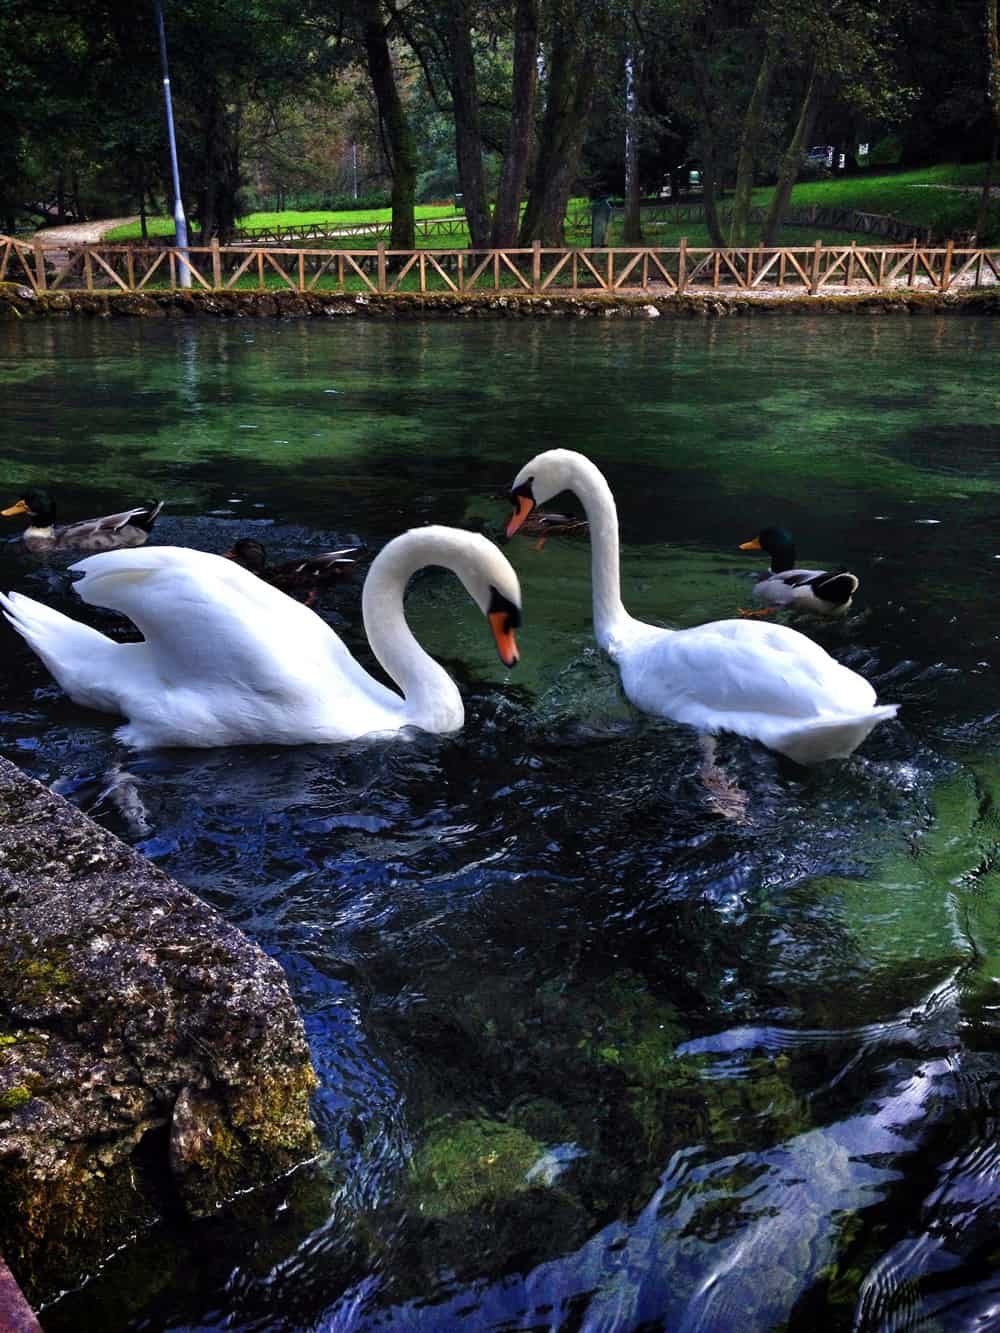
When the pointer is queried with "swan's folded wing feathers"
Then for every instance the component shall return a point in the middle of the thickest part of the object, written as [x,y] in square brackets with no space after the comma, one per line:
[705,675]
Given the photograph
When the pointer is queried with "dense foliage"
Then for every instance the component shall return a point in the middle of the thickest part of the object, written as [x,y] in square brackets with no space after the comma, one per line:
[513,106]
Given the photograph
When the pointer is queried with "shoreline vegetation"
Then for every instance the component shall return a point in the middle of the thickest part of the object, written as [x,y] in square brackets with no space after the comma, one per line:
[19,302]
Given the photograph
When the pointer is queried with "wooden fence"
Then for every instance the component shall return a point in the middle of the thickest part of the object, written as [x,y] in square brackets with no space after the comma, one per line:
[813,215]
[537,270]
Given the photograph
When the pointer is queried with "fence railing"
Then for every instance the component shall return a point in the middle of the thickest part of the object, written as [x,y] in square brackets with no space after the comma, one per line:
[811,215]
[536,270]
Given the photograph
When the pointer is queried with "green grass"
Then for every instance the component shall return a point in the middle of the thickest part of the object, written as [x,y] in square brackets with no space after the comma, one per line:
[162,226]
[907,195]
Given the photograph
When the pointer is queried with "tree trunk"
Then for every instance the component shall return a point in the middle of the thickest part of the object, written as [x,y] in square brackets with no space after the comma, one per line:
[792,161]
[522,116]
[753,129]
[982,219]
[632,221]
[396,127]
[468,139]
[572,78]
[143,227]
[709,160]
[993,97]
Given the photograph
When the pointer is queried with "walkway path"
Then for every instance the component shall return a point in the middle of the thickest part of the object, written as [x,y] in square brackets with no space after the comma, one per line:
[58,241]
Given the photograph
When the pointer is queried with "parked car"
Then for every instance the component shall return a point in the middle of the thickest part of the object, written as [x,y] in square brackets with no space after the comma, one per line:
[820,156]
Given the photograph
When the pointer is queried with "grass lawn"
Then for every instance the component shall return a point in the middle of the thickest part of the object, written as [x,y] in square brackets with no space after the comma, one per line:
[162,226]
[912,196]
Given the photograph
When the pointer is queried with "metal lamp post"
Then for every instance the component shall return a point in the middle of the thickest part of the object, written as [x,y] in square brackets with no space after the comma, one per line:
[180,222]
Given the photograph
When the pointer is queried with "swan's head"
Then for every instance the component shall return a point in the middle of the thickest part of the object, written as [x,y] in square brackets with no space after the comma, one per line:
[489,579]
[538,481]
[481,567]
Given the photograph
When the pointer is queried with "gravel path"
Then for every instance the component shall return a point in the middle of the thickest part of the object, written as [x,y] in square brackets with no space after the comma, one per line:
[78,233]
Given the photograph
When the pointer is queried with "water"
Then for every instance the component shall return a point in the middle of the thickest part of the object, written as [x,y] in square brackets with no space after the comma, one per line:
[591,1056]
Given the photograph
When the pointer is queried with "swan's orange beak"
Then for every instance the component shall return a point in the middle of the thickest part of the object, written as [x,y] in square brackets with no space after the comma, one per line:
[525,504]
[751,546]
[503,632]
[19,508]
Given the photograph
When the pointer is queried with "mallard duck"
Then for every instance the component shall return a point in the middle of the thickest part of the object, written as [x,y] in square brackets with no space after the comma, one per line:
[543,524]
[309,575]
[130,528]
[228,660]
[767,682]
[802,589]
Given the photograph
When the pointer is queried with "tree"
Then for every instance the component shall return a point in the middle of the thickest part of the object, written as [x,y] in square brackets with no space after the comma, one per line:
[993,99]
[524,82]
[573,48]
[395,125]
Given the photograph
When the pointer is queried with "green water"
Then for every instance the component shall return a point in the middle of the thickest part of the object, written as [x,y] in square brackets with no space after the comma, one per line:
[590,1055]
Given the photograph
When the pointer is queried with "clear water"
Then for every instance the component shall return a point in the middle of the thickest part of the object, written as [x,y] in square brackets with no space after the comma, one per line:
[591,1056]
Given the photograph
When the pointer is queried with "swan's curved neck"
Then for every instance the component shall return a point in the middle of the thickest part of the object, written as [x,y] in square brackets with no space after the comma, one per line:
[432,698]
[594,493]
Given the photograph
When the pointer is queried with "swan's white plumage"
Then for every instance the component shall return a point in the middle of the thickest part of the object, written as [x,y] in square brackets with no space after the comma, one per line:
[226,659]
[766,682]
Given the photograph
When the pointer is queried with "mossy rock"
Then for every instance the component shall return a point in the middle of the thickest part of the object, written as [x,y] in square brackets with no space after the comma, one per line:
[473,1164]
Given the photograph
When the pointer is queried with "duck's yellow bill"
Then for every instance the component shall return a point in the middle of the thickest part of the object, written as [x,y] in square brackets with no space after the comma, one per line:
[751,546]
[19,508]
[504,635]
[525,504]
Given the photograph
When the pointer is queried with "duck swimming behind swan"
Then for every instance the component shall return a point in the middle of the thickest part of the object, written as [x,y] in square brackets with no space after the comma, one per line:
[767,682]
[110,533]
[228,660]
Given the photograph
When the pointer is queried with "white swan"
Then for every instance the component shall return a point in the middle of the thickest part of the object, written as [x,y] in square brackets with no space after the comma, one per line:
[763,681]
[228,660]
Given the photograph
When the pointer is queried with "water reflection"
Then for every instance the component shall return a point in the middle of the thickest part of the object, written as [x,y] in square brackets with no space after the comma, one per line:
[590,1056]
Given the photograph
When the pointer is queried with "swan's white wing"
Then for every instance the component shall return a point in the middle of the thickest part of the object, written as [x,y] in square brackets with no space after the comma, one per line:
[234,660]
[714,674]
[87,664]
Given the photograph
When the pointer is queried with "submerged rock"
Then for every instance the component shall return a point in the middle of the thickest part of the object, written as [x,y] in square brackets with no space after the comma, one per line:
[150,1054]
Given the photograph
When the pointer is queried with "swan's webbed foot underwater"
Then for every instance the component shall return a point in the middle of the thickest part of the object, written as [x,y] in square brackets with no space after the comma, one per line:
[725,797]
[751,615]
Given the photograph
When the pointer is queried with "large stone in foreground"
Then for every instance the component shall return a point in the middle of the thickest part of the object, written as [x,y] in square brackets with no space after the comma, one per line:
[150,1054]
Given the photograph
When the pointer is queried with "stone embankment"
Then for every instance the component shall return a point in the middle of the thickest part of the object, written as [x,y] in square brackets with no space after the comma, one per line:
[21,302]
[151,1058]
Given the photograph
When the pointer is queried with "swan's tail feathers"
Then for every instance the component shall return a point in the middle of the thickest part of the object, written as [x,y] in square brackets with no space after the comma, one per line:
[837,588]
[80,658]
[830,739]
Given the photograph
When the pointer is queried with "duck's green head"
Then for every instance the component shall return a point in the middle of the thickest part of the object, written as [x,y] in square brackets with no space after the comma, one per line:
[38,504]
[777,543]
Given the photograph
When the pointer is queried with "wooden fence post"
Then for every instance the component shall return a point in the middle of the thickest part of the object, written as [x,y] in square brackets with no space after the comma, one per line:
[913,262]
[536,266]
[216,263]
[381,268]
[39,266]
[814,280]
[946,271]
[130,268]
[682,267]
[88,268]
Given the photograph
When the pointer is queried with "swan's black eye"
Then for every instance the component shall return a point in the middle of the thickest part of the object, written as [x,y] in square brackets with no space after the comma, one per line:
[501,605]
[523,490]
